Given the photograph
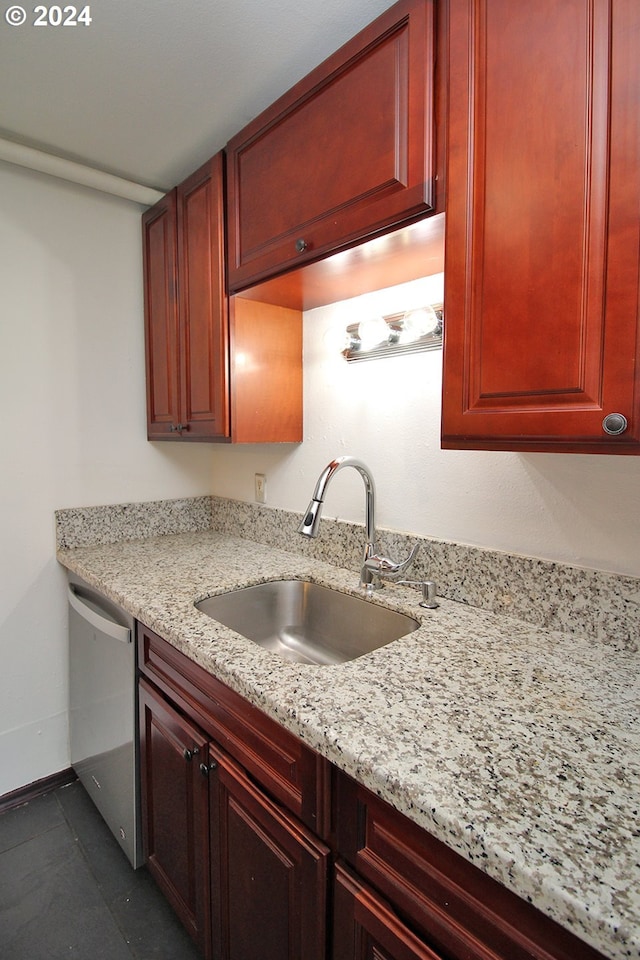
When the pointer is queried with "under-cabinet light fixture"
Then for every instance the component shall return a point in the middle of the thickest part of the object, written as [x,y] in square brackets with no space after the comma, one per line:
[409,332]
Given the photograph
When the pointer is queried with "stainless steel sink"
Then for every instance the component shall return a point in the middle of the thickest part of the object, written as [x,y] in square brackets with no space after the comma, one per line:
[306,622]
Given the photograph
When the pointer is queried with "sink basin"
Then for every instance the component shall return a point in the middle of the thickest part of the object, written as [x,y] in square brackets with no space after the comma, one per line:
[306,622]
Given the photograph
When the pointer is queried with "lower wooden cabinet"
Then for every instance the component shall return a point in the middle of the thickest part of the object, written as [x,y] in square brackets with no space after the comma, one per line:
[267,852]
[451,906]
[246,877]
[175,800]
[268,873]
[366,928]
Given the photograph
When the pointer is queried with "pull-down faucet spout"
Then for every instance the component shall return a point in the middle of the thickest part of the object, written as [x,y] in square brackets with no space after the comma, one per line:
[311,521]
[374,568]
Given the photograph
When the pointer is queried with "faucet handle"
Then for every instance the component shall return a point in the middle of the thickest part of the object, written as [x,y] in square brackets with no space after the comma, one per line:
[388,569]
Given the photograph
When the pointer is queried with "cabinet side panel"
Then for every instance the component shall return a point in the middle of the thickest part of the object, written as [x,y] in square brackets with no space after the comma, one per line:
[267,372]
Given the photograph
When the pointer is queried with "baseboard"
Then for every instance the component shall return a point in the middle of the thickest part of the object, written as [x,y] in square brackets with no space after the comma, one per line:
[36,789]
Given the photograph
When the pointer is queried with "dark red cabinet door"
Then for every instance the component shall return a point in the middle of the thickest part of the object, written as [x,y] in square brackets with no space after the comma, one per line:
[345,154]
[160,252]
[186,310]
[204,327]
[542,231]
[365,927]
[268,874]
[175,810]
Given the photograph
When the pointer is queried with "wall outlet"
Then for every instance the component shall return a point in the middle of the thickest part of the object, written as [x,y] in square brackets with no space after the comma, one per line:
[261,488]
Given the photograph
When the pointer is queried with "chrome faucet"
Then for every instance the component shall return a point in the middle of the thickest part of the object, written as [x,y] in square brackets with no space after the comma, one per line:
[375,568]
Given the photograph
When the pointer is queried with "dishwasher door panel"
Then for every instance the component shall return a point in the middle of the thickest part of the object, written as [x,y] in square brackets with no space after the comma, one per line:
[103,711]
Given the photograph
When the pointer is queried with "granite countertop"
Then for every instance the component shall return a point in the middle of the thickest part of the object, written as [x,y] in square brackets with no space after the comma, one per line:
[517,747]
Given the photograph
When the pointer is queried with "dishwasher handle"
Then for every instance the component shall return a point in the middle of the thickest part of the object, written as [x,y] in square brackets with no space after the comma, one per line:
[102,623]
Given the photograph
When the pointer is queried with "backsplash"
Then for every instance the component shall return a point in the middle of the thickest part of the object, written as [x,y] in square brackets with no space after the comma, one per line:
[82,526]
[600,606]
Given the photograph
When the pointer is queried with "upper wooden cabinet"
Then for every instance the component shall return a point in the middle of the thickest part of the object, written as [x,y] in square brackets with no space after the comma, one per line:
[186,310]
[346,154]
[543,226]
[159,236]
[215,371]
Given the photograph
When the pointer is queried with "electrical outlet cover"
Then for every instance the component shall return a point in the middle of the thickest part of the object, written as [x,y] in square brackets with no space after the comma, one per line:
[261,488]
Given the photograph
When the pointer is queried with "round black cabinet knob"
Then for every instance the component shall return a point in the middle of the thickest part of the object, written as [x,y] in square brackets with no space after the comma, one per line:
[206,768]
[301,245]
[614,424]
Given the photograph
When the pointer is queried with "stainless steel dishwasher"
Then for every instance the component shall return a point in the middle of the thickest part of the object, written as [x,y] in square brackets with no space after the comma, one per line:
[103,711]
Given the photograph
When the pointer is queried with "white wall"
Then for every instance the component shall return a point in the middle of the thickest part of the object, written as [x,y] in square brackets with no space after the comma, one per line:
[579,509]
[73,431]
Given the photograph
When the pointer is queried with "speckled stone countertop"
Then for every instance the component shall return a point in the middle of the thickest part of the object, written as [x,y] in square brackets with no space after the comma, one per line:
[517,747]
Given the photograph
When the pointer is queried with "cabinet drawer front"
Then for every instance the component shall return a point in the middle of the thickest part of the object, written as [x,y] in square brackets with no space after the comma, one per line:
[346,153]
[280,762]
[461,912]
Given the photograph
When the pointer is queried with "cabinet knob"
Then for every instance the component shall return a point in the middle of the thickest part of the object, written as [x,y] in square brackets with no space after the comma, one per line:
[301,245]
[206,767]
[614,424]
[189,754]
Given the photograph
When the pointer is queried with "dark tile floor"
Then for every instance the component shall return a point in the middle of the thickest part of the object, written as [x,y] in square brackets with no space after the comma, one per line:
[68,891]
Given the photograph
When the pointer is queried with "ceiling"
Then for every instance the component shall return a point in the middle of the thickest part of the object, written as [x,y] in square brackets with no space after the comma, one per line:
[152,88]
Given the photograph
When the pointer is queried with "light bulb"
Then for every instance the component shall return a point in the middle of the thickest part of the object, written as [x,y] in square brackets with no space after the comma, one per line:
[418,323]
[372,331]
